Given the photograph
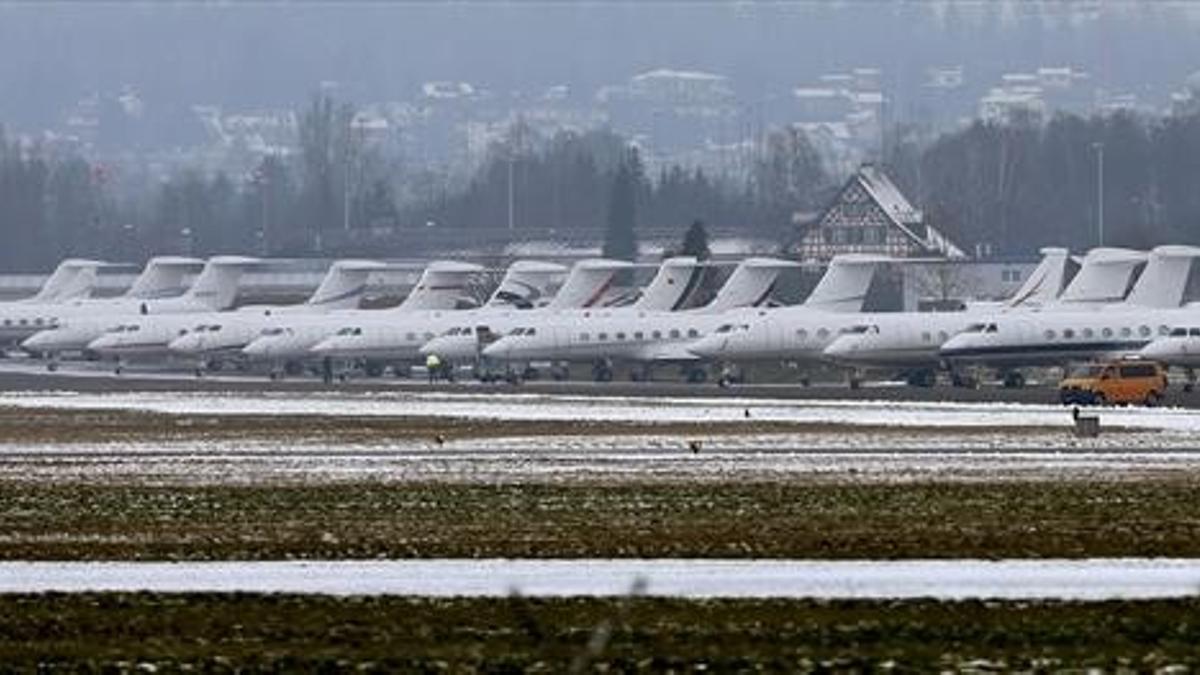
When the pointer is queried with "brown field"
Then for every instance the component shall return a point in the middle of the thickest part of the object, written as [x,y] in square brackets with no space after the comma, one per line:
[768,520]
[287,633]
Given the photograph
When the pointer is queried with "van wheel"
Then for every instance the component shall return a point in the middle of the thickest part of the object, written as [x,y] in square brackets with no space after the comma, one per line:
[1099,399]
[1153,399]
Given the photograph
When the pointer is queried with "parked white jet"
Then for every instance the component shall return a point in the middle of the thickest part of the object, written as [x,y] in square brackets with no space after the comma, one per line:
[798,332]
[81,322]
[909,341]
[441,288]
[649,338]
[1056,336]
[676,282]
[586,286]
[343,287]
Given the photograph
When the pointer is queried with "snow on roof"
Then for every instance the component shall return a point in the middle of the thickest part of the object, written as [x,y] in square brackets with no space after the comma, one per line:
[667,73]
[909,219]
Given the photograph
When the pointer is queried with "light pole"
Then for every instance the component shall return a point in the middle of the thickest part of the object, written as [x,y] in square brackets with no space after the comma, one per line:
[510,190]
[1099,148]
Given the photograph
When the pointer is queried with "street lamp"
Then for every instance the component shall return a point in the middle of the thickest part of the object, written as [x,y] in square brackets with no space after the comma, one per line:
[1099,148]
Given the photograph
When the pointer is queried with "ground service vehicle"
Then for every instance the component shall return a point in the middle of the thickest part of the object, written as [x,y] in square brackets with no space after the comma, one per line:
[1123,382]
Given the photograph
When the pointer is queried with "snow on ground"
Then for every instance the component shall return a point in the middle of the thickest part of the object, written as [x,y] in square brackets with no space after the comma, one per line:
[1087,579]
[584,458]
[536,407]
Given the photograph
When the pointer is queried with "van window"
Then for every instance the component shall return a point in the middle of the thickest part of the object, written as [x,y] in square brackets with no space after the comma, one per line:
[1137,370]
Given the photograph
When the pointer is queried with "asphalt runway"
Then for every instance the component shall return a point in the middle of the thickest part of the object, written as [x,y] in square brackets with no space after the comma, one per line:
[32,376]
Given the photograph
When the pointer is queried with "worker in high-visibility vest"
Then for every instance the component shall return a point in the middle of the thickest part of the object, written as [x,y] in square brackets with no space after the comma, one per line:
[433,364]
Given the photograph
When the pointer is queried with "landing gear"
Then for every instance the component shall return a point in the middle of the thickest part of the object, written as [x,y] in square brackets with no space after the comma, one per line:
[602,371]
[1014,380]
[559,373]
[962,380]
[921,378]
[695,375]
[641,373]
[327,370]
[373,368]
[1189,385]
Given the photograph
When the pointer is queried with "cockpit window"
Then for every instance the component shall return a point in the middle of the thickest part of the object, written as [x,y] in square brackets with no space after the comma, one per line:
[727,328]
[1179,332]
[976,328]
[856,330]
[269,332]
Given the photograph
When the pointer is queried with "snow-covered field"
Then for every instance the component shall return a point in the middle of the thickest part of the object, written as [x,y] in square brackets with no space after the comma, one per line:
[538,407]
[567,459]
[1088,579]
[870,440]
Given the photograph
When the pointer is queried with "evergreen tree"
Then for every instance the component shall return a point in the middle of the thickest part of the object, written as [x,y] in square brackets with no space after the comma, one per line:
[695,241]
[620,238]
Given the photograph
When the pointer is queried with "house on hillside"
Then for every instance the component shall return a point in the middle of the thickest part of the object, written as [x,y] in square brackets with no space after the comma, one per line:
[871,215]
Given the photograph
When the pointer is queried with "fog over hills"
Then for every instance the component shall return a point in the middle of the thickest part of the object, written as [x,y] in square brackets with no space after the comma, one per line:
[268,54]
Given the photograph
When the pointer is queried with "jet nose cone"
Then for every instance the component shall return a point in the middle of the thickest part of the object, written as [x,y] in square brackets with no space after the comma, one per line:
[708,347]
[499,349]
[1158,349]
[327,347]
[37,341]
[840,349]
[187,344]
[258,348]
[102,343]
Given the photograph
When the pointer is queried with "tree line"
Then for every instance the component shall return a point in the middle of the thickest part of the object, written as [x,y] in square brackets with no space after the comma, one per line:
[1013,188]
[1007,189]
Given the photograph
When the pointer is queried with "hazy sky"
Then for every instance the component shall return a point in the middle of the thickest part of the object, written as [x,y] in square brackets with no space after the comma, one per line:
[243,54]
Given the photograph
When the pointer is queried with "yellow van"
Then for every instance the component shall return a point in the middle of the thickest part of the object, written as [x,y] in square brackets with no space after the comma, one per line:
[1123,382]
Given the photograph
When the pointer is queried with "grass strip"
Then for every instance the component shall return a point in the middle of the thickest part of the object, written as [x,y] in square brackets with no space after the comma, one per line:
[289,632]
[738,520]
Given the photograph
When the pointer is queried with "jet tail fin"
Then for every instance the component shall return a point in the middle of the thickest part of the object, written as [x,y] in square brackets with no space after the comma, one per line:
[344,284]
[441,286]
[162,277]
[1046,281]
[587,283]
[1162,282]
[750,284]
[527,283]
[1103,277]
[673,286]
[217,284]
[844,286]
[74,278]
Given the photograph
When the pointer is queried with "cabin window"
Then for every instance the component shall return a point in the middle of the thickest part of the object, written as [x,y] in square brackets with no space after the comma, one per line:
[1088,333]
[657,335]
[674,333]
[1068,333]
[584,337]
[1144,331]
[1050,334]
[926,336]
[620,336]
[943,335]
[410,337]
[1163,330]
[693,333]
[1126,331]
[823,333]
[802,334]
[639,335]
[602,336]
